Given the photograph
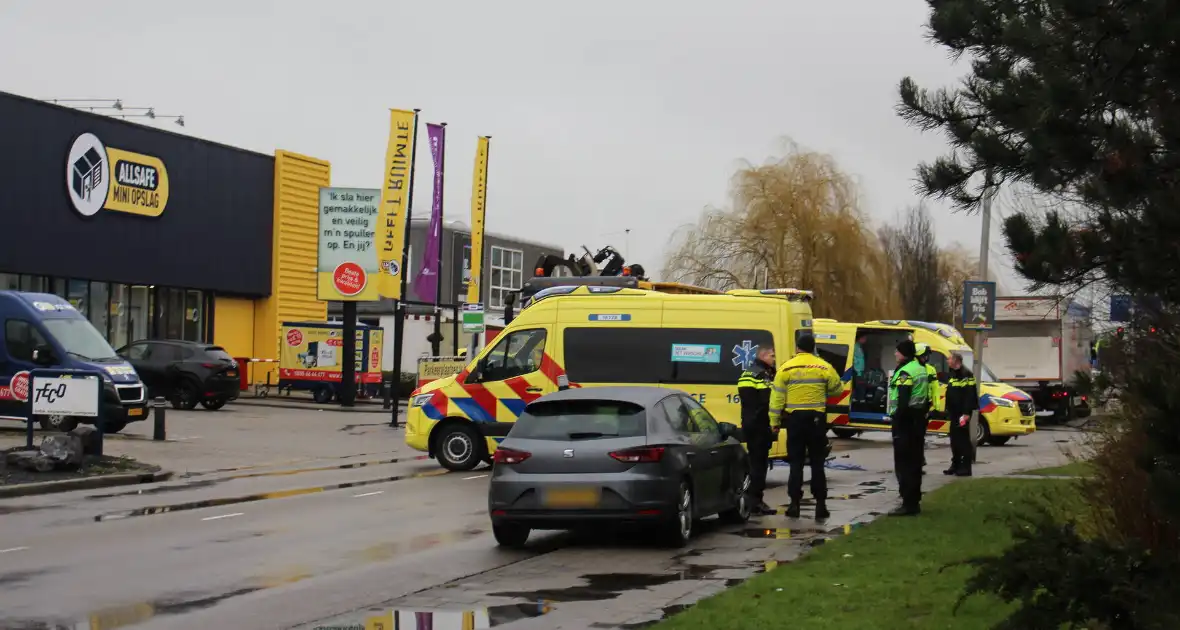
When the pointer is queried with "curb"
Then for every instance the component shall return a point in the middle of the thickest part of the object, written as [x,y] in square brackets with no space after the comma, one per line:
[85,483]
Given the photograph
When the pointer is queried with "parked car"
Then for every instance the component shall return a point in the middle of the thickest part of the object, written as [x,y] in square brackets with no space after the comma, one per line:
[646,456]
[187,373]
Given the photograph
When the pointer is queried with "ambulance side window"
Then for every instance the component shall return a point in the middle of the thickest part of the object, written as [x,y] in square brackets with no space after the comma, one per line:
[515,354]
[835,354]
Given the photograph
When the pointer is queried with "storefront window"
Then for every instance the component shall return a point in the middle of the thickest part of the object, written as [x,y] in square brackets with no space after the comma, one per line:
[193,316]
[99,309]
[119,329]
[34,284]
[139,313]
[171,313]
[58,286]
[9,282]
[76,293]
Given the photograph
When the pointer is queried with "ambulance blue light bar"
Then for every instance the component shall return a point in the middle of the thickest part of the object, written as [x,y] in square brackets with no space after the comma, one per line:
[799,294]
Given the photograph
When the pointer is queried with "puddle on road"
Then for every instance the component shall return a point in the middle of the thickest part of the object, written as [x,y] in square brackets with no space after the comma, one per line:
[470,619]
[798,533]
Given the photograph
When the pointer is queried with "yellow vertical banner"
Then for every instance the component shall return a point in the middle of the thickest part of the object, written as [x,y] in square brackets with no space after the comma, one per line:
[396,188]
[479,200]
[469,620]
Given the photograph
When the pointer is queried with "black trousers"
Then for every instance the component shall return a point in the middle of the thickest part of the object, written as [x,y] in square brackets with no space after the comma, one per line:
[758,443]
[807,439]
[960,444]
[909,445]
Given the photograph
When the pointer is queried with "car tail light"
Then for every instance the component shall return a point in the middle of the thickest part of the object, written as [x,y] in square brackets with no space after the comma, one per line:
[640,455]
[509,456]
[1060,394]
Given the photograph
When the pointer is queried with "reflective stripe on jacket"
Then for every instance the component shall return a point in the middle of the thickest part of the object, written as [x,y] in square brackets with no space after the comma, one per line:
[803,384]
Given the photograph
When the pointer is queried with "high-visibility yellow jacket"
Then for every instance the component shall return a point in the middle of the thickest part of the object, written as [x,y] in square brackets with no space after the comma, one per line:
[803,384]
[935,392]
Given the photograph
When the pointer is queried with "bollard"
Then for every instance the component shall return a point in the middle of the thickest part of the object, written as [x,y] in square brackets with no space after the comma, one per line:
[158,431]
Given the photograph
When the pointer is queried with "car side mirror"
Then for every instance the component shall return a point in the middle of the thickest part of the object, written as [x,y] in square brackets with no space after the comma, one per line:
[43,355]
[728,430]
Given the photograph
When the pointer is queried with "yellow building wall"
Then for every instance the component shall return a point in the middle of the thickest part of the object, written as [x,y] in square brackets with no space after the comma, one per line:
[233,325]
[297,182]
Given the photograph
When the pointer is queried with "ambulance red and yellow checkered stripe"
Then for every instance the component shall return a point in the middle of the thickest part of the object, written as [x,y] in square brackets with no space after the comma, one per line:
[496,401]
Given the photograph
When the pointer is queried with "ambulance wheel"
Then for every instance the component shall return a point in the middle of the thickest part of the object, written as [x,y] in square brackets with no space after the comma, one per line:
[846,433]
[57,422]
[322,394]
[983,433]
[460,447]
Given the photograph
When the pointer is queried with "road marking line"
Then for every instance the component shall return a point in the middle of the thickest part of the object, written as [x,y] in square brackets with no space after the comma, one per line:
[367,494]
[13,549]
[214,518]
[475,477]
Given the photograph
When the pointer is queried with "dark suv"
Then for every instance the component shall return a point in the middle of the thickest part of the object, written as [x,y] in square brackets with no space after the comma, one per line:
[185,372]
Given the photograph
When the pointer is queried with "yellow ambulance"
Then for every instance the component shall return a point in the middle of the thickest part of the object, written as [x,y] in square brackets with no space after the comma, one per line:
[604,335]
[1005,412]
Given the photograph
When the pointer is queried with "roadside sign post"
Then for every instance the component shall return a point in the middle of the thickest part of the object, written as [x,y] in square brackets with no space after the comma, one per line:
[473,321]
[979,314]
[66,393]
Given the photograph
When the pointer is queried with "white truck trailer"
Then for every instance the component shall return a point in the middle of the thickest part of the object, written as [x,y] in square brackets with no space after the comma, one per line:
[1037,345]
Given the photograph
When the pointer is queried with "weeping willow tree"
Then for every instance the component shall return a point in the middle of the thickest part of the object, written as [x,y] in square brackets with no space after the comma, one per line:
[794,222]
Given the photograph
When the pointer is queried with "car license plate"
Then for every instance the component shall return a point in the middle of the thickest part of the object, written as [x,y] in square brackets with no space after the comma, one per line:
[572,498]
[135,412]
[1077,401]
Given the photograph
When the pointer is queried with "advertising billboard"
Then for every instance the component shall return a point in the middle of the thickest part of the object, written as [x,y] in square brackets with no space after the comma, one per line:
[313,352]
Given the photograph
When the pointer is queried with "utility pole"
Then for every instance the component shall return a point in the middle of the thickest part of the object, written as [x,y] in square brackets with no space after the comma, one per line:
[985,229]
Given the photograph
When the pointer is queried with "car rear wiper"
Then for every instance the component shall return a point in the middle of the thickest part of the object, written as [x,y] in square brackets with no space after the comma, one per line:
[590,434]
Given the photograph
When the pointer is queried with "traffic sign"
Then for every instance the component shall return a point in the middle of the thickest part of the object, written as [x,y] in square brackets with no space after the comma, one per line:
[473,318]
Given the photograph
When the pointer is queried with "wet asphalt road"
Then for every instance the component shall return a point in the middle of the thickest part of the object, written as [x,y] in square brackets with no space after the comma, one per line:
[323,546]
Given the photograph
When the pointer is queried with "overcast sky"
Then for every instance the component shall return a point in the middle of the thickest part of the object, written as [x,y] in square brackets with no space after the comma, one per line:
[606,116]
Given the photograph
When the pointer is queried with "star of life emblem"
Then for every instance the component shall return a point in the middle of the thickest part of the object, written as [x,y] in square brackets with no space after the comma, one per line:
[744,354]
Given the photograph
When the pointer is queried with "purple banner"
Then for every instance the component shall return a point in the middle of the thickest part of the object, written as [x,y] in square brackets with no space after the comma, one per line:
[426,282]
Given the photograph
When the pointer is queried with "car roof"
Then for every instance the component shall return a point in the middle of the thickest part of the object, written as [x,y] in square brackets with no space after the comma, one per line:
[643,396]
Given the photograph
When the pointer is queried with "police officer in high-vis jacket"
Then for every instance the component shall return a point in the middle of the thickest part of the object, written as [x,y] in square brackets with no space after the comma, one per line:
[909,395]
[923,355]
[754,393]
[801,389]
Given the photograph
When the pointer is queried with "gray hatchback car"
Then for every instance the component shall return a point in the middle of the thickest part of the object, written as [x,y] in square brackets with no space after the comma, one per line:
[586,457]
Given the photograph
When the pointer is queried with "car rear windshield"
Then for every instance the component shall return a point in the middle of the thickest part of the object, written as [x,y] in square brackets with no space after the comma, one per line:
[580,420]
[217,352]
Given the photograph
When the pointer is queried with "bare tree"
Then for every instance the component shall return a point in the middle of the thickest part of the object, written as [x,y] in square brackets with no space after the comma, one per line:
[913,256]
[795,222]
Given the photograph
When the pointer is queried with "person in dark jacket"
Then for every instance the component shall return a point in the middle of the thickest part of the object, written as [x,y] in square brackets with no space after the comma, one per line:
[961,401]
[754,392]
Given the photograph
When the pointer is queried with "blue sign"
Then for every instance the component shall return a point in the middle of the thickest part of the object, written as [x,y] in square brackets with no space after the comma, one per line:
[611,317]
[979,305]
[696,353]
